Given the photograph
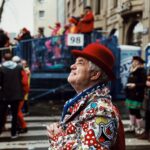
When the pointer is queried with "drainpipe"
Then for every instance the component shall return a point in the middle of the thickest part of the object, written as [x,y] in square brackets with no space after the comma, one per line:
[57,11]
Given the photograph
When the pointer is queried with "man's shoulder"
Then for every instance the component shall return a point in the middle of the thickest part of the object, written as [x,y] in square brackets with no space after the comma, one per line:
[17,67]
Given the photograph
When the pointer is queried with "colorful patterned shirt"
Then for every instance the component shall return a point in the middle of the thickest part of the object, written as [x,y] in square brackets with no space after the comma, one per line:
[89,122]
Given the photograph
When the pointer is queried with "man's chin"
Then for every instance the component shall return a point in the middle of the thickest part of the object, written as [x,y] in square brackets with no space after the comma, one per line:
[71,81]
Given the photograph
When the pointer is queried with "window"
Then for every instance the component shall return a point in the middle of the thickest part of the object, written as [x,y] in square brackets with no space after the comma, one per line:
[41,13]
[80,2]
[115,3]
[137,34]
[84,3]
[74,5]
[97,7]
[68,8]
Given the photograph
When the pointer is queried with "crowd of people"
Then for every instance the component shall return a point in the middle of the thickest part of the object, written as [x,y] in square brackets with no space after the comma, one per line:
[83,24]
[48,50]
[89,119]
[14,84]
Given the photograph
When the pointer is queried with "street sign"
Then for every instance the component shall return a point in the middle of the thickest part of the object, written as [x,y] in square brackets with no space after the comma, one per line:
[75,40]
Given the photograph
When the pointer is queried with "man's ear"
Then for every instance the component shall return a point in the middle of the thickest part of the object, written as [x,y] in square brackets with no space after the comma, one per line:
[95,75]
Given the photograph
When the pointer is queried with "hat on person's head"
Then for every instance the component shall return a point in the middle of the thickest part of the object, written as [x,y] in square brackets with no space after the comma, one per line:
[16,59]
[99,55]
[138,58]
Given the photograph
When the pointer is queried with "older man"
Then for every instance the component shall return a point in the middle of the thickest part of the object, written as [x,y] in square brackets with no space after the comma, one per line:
[89,120]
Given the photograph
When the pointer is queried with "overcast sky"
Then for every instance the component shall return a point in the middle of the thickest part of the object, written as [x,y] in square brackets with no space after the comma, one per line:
[17,14]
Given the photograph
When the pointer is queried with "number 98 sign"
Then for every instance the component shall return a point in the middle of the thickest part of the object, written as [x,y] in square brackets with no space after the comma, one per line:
[75,40]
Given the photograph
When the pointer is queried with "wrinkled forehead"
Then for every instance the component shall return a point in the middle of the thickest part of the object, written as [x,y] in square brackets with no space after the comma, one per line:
[79,59]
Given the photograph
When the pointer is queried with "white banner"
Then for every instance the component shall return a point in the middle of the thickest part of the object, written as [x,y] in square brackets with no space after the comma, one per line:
[75,40]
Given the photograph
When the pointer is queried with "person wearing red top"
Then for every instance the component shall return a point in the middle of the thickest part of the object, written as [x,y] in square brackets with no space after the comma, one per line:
[57,30]
[73,25]
[22,125]
[86,24]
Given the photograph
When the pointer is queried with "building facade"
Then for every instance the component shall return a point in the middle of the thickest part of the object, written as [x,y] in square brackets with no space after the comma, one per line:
[130,18]
[45,14]
[61,11]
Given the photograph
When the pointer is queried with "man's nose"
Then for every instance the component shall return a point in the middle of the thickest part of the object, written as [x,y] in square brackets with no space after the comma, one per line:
[73,66]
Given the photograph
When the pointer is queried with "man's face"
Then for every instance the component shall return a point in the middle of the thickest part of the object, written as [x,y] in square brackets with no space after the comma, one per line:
[135,63]
[79,76]
[86,11]
[24,63]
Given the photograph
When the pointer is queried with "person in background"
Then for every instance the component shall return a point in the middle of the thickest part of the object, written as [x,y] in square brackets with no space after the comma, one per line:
[146,134]
[39,48]
[86,24]
[72,28]
[12,92]
[135,88]
[40,33]
[57,30]
[4,42]
[22,125]
[24,47]
[89,119]
[26,101]
[23,35]
[73,25]
[66,29]
[53,44]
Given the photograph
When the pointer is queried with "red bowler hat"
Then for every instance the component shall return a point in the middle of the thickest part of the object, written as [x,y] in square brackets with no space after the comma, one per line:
[99,55]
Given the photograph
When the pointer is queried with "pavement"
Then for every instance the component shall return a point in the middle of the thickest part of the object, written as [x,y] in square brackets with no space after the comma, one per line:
[46,108]
[44,112]
[36,138]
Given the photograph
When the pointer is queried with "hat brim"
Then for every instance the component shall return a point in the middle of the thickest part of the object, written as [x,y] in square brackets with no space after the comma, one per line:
[138,59]
[95,60]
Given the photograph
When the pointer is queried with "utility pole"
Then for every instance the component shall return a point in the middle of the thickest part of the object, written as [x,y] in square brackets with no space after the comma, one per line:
[2,8]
